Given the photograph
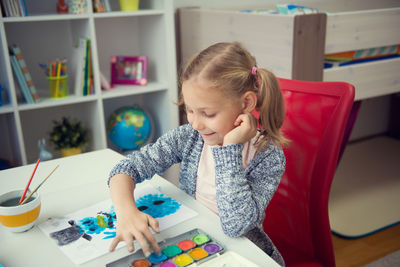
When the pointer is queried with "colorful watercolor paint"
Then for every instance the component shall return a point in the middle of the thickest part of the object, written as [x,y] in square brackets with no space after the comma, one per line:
[183,260]
[167,264]
[200,239]
[212,248]
[141,263]
[154,258]
[186,245]
[171,251]
[198,254]
[192,247]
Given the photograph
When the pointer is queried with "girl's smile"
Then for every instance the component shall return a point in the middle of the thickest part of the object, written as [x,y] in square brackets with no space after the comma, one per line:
[207,135]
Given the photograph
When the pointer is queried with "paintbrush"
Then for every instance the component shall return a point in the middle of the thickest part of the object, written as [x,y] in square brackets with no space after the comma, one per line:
[29,182]
[37,187]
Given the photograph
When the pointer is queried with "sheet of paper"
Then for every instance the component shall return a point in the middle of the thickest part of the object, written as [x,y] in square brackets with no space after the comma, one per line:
[87,233]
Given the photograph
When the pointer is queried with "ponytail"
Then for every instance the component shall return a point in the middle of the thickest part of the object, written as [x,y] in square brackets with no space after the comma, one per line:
[271,106]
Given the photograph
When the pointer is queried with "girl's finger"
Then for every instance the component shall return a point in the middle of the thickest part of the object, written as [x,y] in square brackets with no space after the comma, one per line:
[152,241]
[143,244]
[153,224]
[114,243]
[129,243]
[238,120]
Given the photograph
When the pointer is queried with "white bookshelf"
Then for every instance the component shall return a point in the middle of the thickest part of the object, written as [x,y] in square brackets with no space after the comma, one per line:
[45,35]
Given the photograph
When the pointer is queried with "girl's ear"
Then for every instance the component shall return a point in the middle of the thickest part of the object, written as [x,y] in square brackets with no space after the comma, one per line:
[249,101]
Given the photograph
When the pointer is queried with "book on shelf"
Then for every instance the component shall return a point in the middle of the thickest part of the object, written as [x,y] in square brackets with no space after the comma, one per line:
[98,6]
[84,69]
[1,95]
[101,6]
[105,85]
[79,54]
[21,80]
[14,8]
[16,51]
[89,69]
[4,10]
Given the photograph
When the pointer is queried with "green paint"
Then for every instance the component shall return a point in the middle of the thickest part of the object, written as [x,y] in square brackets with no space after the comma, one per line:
[200,239]
[171,251]
[101,222]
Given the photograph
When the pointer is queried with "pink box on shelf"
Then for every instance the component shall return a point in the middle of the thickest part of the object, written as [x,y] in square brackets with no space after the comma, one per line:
[129,70]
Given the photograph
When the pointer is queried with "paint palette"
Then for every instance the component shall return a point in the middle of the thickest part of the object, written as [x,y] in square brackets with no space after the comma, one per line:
[193,247]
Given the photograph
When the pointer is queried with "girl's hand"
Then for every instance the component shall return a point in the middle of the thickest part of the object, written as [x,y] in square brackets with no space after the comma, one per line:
[245,129]
[134,224]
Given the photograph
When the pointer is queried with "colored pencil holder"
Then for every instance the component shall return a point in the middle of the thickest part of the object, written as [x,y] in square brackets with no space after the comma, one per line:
[129,5]
[19,218]
[58,86]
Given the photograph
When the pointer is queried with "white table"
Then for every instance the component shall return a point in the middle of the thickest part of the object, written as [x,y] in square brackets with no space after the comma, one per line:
[80,181]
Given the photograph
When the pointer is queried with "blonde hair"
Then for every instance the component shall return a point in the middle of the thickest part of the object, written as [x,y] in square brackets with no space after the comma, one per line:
[228,67]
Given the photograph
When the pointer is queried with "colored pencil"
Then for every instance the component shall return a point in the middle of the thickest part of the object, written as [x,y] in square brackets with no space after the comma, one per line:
[29,182]
[37,187]
[58,78]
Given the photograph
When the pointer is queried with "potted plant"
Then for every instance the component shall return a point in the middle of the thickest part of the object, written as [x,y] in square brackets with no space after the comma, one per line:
[69,136]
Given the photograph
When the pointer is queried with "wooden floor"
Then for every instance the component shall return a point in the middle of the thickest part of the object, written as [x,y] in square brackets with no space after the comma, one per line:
[361,251]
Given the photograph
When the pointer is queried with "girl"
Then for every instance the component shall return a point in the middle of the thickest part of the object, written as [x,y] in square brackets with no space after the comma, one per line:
[226,163]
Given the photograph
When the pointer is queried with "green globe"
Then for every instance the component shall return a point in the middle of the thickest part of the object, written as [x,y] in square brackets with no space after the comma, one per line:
[129,128]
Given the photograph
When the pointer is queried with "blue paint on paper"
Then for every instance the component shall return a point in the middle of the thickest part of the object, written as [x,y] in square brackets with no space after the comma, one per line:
[102,221]
[110,235]
[157,206]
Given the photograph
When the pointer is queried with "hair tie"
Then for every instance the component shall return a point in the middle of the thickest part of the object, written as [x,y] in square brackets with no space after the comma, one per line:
[254,70]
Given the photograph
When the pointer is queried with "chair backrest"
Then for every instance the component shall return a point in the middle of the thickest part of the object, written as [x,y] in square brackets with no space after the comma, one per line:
[297,217]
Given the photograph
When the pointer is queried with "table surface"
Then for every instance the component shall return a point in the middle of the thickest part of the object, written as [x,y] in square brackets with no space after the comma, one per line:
[67,190]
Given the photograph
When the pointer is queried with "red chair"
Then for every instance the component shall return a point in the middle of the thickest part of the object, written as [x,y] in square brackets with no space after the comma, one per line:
[297,217]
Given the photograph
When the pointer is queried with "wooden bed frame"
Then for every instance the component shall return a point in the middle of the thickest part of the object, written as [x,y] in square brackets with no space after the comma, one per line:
[293,46]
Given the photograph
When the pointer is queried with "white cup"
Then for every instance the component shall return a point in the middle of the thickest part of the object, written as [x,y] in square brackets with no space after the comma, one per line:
[19,218]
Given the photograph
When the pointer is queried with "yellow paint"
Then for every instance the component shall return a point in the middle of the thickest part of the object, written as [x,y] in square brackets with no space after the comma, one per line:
[198,253]
[183,260]
[20,219]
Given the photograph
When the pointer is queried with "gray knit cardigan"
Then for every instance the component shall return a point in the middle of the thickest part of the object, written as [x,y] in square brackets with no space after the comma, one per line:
[242,194]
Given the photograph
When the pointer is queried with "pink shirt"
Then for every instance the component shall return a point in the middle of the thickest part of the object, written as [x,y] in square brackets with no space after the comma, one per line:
[205,184]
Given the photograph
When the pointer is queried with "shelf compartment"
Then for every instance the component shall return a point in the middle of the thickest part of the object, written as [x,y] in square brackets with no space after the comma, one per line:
[85,112]
[367,78]
[9,148]
[5,94]
[47,8]
[154,104]
[112,40]
[43,50]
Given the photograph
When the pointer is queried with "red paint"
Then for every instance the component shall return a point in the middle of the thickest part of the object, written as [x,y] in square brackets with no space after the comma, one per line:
[186,244]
